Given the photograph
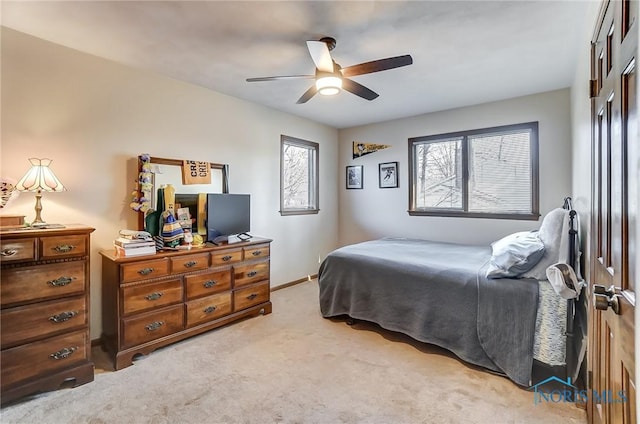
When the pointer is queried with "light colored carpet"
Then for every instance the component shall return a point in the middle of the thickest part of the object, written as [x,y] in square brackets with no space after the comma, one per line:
[292,366]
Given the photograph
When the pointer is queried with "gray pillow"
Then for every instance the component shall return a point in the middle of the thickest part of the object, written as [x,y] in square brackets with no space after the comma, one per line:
[515,254]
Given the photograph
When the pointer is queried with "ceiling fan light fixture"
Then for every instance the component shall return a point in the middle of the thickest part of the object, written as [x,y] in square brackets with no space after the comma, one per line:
[328,86]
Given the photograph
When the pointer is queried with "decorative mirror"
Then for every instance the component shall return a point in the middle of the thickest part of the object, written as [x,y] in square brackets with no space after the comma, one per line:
[165,171]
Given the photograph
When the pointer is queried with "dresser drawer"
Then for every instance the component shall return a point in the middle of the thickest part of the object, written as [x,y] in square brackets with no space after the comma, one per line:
[250,273]
[147,296]
[33,359]
[63,246]
[225,257]
[143,328]
[190,263]
[42,319]
[259,251]
[145,269]
[208,308]
[42,281]
[251,295]
[205,284]
[17,250]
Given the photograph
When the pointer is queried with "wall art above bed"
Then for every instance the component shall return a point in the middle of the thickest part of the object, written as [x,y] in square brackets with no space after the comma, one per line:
[355,176]
[388,175]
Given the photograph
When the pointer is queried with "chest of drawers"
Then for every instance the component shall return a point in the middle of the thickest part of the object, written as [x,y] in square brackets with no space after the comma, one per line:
[44,315]
[152,301]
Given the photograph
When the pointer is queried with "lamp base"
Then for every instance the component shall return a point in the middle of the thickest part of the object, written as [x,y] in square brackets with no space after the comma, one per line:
[38,222]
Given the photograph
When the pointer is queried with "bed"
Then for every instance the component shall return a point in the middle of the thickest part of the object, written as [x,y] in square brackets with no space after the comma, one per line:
[440,293]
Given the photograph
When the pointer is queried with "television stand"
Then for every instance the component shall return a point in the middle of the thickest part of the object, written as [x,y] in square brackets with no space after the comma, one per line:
[203,288]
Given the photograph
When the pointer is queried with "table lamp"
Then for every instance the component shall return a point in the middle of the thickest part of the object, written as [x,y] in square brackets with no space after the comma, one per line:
[39,178]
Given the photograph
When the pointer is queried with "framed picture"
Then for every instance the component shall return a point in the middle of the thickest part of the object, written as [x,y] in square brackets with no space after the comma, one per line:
[388,175]
[354,176]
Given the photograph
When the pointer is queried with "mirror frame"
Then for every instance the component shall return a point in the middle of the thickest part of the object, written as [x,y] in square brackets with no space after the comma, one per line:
[179,162]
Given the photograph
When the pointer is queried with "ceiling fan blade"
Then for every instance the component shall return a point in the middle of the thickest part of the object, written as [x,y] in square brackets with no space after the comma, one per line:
[377,65]
[308,94]
[319,52]
[280,78]
[358,89]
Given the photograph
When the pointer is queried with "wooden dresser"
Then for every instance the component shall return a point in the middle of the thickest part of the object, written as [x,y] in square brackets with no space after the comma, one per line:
[152,301]
[44,291]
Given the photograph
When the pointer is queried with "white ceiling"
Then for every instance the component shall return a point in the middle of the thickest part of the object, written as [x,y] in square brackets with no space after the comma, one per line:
[464,52]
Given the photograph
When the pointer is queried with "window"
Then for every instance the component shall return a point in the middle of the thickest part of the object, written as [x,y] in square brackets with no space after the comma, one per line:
[485,173]
[298,176]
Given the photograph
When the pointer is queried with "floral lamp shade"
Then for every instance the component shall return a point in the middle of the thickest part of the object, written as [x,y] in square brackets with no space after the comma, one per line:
[39,178]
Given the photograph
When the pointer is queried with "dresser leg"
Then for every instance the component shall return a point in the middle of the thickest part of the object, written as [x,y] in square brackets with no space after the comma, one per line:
[74,376]
[266,309]
[124,360]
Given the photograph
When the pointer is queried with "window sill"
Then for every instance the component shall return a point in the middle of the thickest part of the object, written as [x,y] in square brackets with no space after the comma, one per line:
[460,214]
[299,212]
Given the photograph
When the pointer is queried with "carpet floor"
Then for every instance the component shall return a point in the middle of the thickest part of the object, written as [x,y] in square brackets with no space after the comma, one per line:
[292,366]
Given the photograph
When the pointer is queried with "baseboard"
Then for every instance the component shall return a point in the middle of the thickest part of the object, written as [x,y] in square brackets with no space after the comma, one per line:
[96,342]
[293,283]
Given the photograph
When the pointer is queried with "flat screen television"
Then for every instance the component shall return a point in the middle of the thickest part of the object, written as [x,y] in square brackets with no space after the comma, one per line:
[228,214]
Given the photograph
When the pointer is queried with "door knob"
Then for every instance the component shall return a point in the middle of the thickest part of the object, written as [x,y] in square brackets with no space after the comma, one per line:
[609,292]
[602,302]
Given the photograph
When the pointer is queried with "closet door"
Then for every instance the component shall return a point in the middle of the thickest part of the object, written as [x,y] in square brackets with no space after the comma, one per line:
[612,256]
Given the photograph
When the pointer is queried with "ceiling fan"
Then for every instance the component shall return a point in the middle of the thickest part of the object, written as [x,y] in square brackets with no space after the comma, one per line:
[331,77]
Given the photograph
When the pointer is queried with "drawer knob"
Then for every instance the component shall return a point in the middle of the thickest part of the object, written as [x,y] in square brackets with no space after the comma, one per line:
[145,271]
[154,296]
[252,273]
[209,309]
[63,316]
[226,258]
[64,248]
[190,264]
[154,325]
[59,282]
[63,353]
[252,296]
[257,252]
[8,252]
[209,284]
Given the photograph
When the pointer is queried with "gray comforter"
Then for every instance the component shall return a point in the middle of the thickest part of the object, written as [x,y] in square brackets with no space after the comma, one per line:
[436,293]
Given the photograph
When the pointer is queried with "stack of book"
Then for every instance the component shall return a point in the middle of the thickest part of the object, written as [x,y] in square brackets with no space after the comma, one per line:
[134,247]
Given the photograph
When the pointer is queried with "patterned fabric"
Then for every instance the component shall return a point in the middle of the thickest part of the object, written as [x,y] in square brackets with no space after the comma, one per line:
[550,342]
[8,191]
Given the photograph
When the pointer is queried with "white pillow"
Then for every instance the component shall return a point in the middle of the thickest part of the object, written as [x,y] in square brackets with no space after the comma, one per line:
[552,231]
[514,254]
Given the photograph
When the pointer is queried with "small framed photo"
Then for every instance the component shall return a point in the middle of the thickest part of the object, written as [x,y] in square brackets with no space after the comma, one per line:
[354,176]
[388,175]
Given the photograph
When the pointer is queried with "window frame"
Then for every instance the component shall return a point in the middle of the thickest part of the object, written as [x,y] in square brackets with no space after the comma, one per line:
[314,186]
[465,135]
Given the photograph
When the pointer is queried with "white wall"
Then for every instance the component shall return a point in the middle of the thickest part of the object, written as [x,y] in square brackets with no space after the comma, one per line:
[93,117]
[373,212]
